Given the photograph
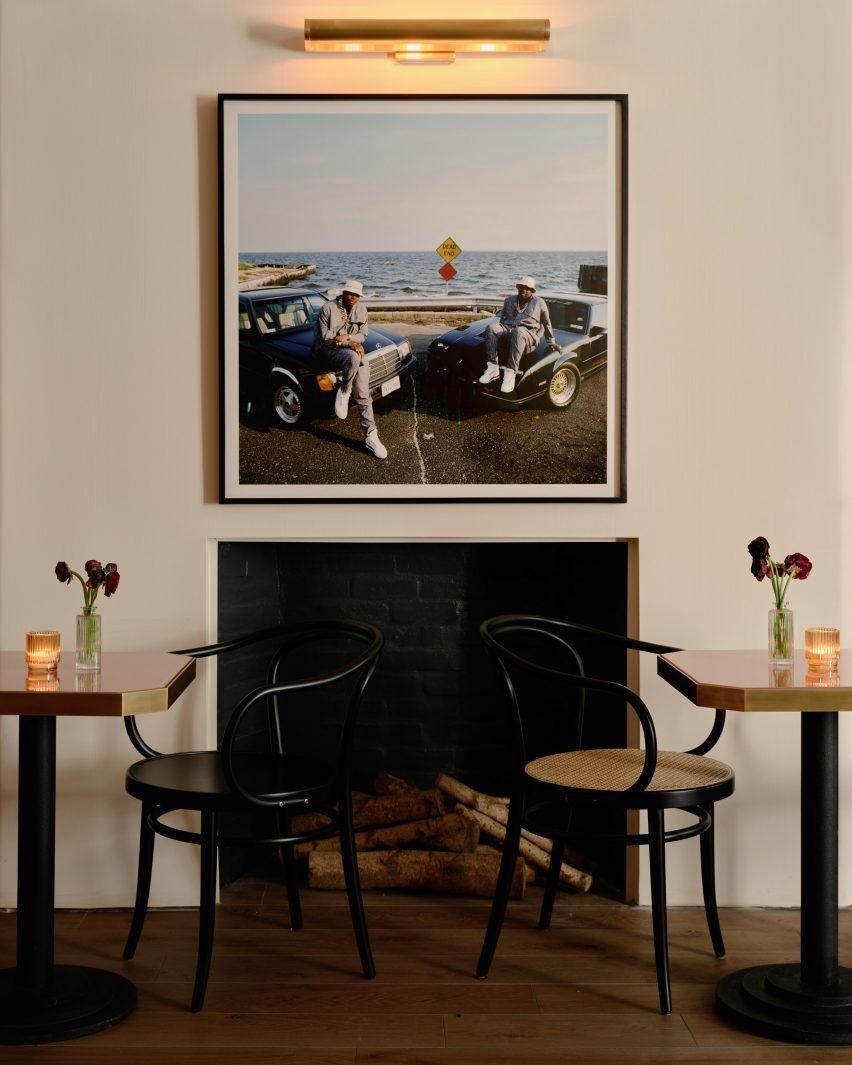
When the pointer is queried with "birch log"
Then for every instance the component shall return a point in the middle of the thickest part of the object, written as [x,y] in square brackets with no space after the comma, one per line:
[454,874]
[412,805]
[469,796]
[498,809]
[452,832]
[493,828]
[387,784]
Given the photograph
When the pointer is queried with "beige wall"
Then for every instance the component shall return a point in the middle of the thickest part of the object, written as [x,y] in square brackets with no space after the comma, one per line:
[738,355]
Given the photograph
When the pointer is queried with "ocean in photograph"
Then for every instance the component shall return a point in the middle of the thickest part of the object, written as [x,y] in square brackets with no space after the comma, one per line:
[414,274]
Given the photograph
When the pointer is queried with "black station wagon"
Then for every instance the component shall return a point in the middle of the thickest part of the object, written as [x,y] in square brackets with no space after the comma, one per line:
[580,327]
[280,379]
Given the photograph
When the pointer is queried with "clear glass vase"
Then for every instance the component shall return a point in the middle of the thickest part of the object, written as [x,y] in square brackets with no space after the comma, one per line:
[781,636]
[88,640]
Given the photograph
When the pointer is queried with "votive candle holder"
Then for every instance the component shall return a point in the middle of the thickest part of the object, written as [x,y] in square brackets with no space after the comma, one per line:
[42,650]
[822,649]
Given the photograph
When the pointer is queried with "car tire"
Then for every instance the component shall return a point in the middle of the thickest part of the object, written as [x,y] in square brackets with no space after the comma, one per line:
[563,386]
[286,403]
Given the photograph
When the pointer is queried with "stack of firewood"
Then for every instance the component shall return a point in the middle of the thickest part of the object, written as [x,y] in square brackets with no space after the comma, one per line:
[431,839]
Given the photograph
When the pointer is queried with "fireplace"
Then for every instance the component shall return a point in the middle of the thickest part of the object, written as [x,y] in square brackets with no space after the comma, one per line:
[434,704]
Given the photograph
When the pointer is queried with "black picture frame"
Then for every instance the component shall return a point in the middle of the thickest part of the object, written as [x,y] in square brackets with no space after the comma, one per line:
[362,171]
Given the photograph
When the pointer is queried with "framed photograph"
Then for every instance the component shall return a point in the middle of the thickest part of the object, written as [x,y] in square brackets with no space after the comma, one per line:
[422,298]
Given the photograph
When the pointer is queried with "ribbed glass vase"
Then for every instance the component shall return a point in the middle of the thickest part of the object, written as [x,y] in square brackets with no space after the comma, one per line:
[88,640]
[781,636]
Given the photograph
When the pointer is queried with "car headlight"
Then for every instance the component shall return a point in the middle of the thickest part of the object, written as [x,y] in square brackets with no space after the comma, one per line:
[327,382]
[404,348]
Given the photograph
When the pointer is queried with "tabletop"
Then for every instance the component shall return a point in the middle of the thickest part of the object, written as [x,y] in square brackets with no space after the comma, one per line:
[128,682]
[746,680]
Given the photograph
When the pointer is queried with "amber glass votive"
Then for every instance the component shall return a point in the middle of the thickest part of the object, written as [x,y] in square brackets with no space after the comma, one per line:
[822,650]
[42,651]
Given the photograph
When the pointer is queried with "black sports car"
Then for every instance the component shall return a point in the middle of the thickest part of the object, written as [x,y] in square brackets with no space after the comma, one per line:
[580,327]
[280,380]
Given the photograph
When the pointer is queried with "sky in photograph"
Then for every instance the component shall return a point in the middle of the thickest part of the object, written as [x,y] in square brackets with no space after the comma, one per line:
[397,182]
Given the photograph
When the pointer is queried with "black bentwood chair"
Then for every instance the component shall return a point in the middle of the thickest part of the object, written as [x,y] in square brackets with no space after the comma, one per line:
[541,666]
[317,675]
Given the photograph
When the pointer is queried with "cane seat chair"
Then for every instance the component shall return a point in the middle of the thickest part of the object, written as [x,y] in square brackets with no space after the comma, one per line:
[540,666]
[285,751]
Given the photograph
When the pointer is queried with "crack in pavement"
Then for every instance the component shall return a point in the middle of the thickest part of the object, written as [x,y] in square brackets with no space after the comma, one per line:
[423,477]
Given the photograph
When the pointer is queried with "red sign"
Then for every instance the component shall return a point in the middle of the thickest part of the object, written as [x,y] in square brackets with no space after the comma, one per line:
[447,271]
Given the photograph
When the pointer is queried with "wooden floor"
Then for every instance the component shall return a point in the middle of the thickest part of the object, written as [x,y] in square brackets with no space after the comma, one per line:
[582,992]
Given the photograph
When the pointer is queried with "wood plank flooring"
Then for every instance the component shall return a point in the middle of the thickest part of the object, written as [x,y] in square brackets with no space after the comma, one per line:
[582,992]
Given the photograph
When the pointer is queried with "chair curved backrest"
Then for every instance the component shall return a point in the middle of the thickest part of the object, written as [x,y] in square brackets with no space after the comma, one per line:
[270,783]
[288,639]
[533,645]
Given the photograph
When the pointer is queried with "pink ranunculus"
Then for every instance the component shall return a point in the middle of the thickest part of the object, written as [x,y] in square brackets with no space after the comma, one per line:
[112,579]
[63,573]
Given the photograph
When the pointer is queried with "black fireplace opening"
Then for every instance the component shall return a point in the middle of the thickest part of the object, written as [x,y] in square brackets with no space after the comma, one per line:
[435,704]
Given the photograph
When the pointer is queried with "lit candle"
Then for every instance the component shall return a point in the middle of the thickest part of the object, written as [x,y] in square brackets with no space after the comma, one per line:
[822,649]
[42,651]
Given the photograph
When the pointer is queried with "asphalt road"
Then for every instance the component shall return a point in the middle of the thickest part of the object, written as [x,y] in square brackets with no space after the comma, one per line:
[431,442]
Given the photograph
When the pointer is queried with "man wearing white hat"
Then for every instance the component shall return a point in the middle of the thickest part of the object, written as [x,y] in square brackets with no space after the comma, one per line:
[523,319]
[339,334]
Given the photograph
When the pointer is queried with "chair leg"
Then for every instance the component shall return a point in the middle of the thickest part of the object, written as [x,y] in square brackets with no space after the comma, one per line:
[657,854]
[207,908]
[551,884]
[349,859]
[503,887]
[143,882]
[291,880]
[708,884]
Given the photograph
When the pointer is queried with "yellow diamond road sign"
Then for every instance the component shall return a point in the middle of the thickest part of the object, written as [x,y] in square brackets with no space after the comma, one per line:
[448,250]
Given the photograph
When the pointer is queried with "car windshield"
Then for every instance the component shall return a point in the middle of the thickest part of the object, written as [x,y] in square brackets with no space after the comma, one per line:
[280,315]
[569,315]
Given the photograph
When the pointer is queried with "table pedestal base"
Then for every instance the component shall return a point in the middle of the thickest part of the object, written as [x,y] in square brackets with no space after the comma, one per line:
[79,1001]
[771,1000]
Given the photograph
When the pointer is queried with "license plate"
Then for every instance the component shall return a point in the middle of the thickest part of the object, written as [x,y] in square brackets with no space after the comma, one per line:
[390,386]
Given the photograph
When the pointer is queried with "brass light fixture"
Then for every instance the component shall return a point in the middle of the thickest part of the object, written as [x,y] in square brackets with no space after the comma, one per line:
[426,40]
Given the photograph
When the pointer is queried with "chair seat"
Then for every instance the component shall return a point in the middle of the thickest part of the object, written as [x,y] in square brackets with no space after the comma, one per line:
[194,780]
[613,771]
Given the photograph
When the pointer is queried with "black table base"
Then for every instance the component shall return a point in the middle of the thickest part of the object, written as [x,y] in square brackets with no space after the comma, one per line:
[810,1002]
[41,1002]
[77,1001]
[771,1000]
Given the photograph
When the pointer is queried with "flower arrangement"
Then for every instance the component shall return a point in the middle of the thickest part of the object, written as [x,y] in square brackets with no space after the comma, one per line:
[89,623]
[795,567]
[98,576]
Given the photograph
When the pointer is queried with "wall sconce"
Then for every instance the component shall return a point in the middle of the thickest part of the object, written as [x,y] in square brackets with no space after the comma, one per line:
[426,40]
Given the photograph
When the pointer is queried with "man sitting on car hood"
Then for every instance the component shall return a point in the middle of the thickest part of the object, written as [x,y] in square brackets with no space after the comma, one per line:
[339,334]
[524,318]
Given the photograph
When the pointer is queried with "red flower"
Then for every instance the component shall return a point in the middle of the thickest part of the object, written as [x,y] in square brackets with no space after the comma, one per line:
[99,576]
[795,567]
[798,566]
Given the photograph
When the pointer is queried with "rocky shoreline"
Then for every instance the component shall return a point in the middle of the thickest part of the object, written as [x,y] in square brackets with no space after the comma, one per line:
[261,275]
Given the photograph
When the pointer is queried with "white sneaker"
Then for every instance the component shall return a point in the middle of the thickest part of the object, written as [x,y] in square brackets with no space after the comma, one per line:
[492,372]
[374,445]
[341,403]
[508,381]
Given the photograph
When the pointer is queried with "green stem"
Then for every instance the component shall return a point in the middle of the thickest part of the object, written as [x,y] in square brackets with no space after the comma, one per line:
[89,594]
